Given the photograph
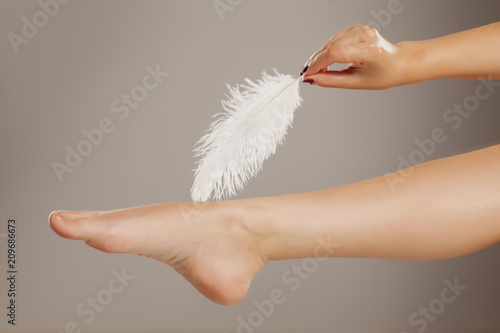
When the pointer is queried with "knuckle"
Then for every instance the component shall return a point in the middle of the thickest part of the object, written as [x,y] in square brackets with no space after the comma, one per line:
[332,52]
[370,31]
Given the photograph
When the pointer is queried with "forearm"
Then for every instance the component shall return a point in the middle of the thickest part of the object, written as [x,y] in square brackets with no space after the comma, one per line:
[467,54]
[446,208]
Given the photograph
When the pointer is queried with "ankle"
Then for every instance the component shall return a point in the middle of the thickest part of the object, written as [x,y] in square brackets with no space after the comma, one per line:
[248,219]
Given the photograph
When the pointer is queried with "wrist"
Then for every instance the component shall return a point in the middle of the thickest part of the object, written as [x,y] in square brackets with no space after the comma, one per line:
[415,62]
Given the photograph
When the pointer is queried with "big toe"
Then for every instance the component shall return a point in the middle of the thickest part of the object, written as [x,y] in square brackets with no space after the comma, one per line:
[75,225]
[97,229]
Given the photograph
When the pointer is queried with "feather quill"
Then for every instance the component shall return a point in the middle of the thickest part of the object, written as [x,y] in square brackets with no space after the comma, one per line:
[255,120]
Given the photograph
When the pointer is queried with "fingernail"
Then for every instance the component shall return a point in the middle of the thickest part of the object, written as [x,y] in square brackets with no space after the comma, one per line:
[304,69]
[310,81]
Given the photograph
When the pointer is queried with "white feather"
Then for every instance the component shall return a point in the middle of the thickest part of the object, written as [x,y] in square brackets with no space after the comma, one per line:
[256,118]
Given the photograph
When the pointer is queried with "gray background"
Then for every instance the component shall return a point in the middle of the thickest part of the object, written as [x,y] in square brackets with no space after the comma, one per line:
[64,80]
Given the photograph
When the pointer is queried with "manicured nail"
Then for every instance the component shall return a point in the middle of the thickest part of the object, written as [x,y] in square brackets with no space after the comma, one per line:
[304,69]
[310,81]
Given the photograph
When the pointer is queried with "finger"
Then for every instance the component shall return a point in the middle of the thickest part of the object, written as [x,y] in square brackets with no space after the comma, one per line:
[308,62]
[347,53]
[344,38]
[337,38]
[357,38]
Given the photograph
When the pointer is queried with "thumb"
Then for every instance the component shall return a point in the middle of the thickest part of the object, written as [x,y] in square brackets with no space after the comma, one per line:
[335,79]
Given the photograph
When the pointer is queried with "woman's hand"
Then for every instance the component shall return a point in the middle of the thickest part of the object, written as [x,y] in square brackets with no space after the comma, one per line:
[374,63]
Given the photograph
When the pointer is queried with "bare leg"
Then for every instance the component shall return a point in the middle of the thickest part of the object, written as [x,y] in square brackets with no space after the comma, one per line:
[446,208]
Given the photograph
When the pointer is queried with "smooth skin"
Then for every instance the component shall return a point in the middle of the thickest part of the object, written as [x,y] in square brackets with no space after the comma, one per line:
[442,209]
[375,63]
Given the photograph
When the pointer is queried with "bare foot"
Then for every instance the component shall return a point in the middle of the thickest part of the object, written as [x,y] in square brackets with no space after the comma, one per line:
[213,248]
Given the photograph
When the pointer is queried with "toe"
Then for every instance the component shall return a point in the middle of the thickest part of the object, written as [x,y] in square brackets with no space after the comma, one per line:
[99,230]
[75,225]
